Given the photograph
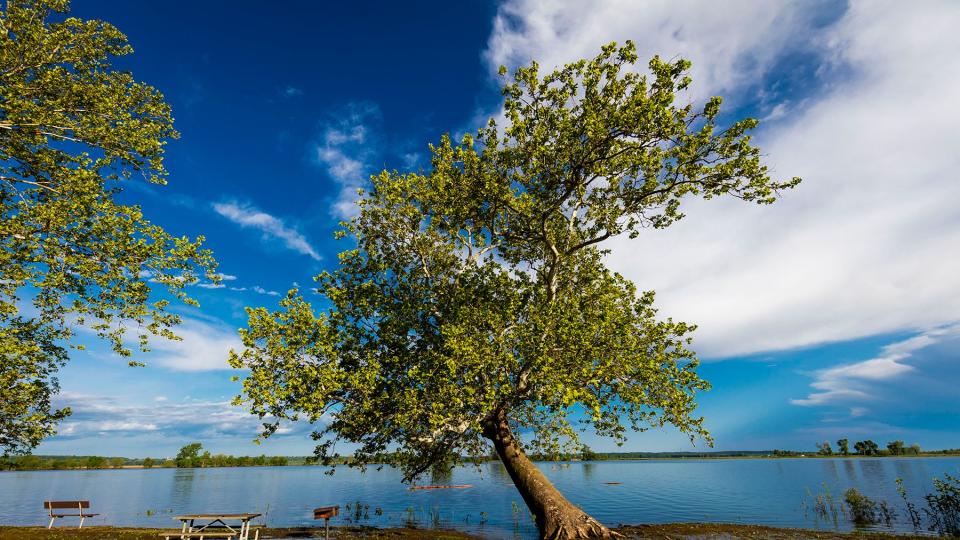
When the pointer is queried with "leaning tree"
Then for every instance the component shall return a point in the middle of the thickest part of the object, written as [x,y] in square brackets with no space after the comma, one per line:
[475,309]
[73,132]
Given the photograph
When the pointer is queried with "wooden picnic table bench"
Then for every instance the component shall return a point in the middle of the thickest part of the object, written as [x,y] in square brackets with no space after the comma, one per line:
[79,506]
[212,532]
[173,535]
[202,526]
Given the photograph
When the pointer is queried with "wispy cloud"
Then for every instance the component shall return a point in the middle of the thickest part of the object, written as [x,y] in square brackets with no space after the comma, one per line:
[850,383]
[221,285]
[860,247]
[205,419]
[204,346]
[344,148]
[291,92]
[272,227]
[260,290]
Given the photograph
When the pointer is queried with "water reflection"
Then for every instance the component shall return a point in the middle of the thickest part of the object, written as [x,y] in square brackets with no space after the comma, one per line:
[874,470]
[589,470]
[182,487]
[851,470]
[441,475]
[830,471]
[904,468]
[498,473]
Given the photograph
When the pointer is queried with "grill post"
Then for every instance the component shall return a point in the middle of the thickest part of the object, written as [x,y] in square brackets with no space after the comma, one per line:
[325,513]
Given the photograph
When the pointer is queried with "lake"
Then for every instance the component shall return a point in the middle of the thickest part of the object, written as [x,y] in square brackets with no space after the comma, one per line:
[773,492]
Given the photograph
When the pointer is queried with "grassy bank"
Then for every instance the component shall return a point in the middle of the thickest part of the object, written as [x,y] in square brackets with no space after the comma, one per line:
[673,531]
[121,533]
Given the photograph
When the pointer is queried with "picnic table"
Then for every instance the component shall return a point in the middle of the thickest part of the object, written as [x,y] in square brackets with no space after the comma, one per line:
[209,526]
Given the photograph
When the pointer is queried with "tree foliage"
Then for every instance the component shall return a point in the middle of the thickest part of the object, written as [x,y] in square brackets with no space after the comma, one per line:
[843,446]
[866,448]
[73,130]
[476,304]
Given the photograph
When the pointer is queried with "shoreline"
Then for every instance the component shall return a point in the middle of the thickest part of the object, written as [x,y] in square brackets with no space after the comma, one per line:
[674,531]
[558,462]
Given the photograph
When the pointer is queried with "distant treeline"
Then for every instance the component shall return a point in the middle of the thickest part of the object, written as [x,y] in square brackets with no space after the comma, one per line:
[189,456]
[861,448]
[32,463]
[589,455]
[869,448]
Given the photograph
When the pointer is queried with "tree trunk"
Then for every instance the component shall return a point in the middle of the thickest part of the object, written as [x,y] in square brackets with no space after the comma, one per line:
[556,517]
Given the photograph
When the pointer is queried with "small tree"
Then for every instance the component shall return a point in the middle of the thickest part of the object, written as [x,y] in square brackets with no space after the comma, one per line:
[73,132]
[148,463]
[824,448]
[476,304]
[587,453]
[866,448]
[843,446]
[896,448]
[189,456]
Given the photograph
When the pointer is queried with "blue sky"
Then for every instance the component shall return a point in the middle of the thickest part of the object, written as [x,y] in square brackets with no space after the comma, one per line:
[832,313]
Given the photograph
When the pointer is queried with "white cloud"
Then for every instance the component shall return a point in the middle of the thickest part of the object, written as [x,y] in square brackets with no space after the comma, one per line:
[271,227]
[852,382]
[260,290]
[222,277]
[204,419]
[291,92]
[343,150]
[866,244]
[731,43]
[857,411]
[204,346]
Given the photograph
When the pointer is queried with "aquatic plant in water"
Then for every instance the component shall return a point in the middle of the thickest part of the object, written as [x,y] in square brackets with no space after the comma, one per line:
[824,506]
[943,507]
[865,511]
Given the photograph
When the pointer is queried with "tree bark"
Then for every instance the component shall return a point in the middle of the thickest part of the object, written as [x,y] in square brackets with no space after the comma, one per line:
[556,517]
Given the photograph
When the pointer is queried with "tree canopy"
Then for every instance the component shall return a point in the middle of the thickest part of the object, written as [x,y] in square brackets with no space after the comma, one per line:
[73,131]
[475,303]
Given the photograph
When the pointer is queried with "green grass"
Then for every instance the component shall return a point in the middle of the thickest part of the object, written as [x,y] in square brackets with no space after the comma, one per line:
[122,533]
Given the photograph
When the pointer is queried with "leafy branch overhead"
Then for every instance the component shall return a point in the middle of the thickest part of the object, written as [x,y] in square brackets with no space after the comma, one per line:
[72,131]
[476,304]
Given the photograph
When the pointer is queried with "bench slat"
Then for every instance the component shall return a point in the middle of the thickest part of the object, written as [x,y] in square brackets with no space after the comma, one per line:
[66,504]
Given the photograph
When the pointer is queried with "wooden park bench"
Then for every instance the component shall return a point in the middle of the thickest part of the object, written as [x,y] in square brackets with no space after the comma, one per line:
[51,506]
[325,513]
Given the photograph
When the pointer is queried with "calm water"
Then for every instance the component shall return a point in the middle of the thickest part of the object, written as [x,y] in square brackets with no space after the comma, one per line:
[756,491]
